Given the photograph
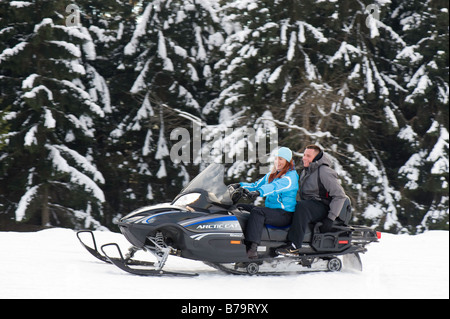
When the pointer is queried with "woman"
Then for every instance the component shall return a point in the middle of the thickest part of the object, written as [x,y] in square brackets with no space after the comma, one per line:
[280,189]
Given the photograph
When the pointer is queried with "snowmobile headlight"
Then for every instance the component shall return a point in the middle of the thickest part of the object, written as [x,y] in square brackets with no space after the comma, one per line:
[187,199]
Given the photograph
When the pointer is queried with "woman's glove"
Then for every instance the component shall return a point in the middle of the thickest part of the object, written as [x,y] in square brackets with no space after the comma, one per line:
[253,195]
[235,186]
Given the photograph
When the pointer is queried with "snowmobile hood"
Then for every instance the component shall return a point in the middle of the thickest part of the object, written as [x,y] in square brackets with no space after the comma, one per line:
[143,213]
[202,194]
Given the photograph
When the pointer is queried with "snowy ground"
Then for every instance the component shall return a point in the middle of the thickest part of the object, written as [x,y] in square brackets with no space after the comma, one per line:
[52,264]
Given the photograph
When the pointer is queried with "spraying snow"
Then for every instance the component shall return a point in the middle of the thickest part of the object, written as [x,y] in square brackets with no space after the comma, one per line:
[53,264]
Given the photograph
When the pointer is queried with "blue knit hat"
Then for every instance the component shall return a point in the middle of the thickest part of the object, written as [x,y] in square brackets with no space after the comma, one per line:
[285,153]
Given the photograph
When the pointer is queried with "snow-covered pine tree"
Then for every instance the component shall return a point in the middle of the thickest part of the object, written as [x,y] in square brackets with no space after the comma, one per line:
[425,170]
[4,129]
[108,26]
[170,54]
[380,60]
[367,80]
[362,57]
[268,67]
[331,73]
[276,68]
[48,174]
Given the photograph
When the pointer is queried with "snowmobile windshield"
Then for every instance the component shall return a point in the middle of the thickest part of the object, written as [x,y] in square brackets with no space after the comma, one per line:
[209,184]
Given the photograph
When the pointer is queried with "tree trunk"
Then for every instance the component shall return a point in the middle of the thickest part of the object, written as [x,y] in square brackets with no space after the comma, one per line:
[45,215]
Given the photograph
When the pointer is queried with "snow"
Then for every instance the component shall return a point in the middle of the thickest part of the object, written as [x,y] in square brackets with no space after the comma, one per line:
[83,162]
[50,122]
[274,76]
[52,264]
[371,23]
[140,30]
[76,176]
[409,53]
[162,52]
[32,94]
[84,123]
[390,116]
[88,46]
[20,4]
[13,51]
[25,201]
[162,149]
[407,133]
[201,54]
[100,86]
[30,137]
[84,95]
[44,22]
[28,83]
[315,31]
[438,156]
[292,43]
[139,84]
[420,82]
[70,47]
[345,51]
[301,33]
[411,169]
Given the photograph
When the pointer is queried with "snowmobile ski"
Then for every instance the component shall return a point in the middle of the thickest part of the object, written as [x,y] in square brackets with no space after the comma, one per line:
[94,252]
[122,264]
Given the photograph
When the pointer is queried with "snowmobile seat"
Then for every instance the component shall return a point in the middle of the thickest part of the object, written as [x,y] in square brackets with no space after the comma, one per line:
[346,213]
[280,233]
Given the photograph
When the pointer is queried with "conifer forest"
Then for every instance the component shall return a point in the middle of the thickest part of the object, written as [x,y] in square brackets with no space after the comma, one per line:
[110,105]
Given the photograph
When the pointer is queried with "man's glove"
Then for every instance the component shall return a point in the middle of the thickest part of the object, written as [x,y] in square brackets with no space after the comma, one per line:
[327,224]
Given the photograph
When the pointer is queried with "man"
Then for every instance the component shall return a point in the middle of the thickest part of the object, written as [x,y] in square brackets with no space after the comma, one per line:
[321,198]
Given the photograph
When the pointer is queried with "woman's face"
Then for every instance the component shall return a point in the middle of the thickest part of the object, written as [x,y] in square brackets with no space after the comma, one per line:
[280,163]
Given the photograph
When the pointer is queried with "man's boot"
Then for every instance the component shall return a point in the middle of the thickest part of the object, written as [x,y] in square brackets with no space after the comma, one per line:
[252,251]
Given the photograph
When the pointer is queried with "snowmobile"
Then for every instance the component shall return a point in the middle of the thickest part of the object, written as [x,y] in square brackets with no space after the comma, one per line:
[203,223]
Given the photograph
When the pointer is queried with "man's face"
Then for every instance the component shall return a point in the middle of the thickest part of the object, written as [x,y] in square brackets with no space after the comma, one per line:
[308,156]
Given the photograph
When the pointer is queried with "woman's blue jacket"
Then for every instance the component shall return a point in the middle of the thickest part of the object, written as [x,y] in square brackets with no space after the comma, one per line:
[281,193]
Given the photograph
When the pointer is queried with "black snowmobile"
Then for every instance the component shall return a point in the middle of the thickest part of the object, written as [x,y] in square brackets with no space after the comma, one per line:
[203,223]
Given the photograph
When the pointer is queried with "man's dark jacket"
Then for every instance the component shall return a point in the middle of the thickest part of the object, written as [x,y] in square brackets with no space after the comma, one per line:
[309,185]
